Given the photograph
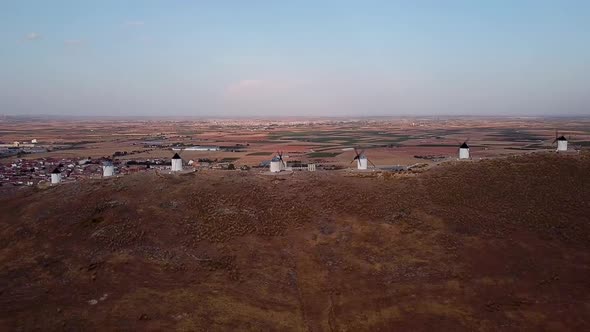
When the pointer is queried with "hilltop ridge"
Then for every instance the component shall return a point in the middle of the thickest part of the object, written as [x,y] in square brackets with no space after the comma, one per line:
[488,245]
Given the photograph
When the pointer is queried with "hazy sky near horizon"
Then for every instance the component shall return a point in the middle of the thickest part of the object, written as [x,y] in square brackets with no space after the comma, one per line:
[287,58]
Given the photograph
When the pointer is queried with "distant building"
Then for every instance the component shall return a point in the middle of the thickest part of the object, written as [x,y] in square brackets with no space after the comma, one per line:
[176,163]
[561,143]
[199,148]
[108,169]
[83,161]
[464,151]
[362,162]
[277,164]
[55,176]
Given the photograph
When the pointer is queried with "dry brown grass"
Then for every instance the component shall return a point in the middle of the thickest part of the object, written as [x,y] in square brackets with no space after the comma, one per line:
[490,245]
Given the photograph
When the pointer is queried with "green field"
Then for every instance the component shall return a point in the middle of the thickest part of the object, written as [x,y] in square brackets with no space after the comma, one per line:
[516,135]
[228,160]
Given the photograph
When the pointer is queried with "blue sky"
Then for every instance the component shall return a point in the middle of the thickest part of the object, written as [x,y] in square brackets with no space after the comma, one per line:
[285,58]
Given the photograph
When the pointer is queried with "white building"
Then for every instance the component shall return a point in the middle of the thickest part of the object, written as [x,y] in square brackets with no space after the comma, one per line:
[561,144]
[108,169]
[464,151]
[83,161]
[362,162]
[311,167]
[176,163]
[199,148]
[276,165]
[55,176]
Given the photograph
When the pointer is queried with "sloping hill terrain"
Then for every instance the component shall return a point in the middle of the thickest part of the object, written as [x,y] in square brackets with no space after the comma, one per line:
[491,245]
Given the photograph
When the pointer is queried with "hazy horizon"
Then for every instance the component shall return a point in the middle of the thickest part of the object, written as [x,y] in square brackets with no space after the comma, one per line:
[418,117]
[304,59]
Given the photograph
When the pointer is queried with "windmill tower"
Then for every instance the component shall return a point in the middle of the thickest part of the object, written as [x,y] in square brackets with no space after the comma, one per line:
[464,151]
[277,163]
[55,176]
[176,163]
[561,142]
[107,168]
[362,162]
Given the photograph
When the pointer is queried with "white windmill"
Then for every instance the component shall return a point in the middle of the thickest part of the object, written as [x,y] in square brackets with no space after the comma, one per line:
[362,162]
[561,142]
[55,176]
[108,169]
[277,163]
[464,151]
[176,163]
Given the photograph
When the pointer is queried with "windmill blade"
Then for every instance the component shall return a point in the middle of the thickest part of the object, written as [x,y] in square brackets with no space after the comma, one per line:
[362,152]
[356,152]
[369,160]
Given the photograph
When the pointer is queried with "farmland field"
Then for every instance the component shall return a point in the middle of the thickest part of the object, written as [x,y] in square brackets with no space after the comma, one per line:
[387,141]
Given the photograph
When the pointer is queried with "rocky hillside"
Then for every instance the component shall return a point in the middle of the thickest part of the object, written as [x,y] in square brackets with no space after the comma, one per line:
[492,245]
